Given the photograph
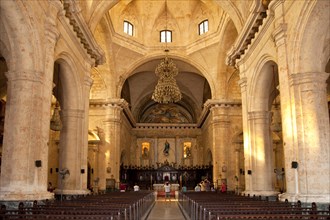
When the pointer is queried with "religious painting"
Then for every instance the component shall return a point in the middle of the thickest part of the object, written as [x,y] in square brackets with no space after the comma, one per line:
[169,113]
[187,150]
[145,150]
[166,148]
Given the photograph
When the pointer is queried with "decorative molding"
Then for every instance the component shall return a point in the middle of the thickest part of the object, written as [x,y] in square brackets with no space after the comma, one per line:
[211,103]
[103,103]
[72,12]
[251,27]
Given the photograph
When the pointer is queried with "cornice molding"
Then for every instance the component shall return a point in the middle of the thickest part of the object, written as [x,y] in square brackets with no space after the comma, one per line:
[213,103]
[121,103]
[72,12]
[251,27]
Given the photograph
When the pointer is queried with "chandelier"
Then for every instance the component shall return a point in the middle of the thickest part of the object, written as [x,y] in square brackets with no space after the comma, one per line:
[166,90]
[55,121]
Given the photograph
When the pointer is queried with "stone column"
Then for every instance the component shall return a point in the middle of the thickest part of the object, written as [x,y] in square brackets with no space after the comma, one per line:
[25,151]
[237,163]
[220,124]
[246,133]
[84,151]
[313,137]
[261,169]
[71,152]
[101,160]
[112,132]
[287,103]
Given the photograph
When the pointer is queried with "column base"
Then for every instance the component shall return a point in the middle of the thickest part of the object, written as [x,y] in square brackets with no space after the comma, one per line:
[317,198]
[261,193]
[25,196]
[70,194]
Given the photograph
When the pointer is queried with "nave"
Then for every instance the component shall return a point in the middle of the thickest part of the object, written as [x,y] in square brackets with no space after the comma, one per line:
[146,205]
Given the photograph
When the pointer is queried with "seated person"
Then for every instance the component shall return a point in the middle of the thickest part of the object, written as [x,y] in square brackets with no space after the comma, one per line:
[197,188]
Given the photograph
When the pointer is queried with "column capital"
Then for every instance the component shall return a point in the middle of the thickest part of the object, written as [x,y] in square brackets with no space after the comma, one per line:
[242,82]
[279,34]
[88,81]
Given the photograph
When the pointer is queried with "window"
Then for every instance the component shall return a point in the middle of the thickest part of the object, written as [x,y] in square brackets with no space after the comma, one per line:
[165,36]
[203,27]
[128,28]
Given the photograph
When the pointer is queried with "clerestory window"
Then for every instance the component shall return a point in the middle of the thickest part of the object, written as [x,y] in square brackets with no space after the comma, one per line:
[128,28]
[203,27]
[165,36]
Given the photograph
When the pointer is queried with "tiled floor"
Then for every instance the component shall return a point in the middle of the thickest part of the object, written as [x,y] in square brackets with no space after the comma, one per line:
[168,210]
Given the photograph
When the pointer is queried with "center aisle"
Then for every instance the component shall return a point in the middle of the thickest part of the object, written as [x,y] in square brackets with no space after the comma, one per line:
[168,210]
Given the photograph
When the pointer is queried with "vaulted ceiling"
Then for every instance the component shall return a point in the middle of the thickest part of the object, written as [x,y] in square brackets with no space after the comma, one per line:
[132,60]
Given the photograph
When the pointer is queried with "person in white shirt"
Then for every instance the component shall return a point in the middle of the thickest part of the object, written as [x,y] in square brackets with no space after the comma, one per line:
[167,188]
[197,188]
[136,187]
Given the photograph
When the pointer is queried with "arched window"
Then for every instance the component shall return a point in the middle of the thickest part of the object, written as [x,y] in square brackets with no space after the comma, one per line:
[128,28]
[203,27]
[165,36]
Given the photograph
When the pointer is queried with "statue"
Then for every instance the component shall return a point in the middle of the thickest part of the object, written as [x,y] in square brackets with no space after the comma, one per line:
[166,148]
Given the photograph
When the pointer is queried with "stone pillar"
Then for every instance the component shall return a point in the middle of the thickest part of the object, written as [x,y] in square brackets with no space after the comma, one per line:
[313,137]
[71,152]
[261,169]
[25,151]
[237,162]
[112,133]
[287,103]
[220,124]
[102,163]
[84,147]
[246,134]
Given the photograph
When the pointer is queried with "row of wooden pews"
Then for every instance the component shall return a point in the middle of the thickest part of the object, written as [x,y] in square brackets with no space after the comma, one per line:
[110,206]
[216,206]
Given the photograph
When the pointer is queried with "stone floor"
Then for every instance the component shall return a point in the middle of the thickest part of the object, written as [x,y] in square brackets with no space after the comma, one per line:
[166,210]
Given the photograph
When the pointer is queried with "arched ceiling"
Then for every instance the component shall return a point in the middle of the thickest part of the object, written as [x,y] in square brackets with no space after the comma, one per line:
[136,82]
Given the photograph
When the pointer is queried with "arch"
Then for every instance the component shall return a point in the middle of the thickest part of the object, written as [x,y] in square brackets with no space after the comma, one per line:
[131,71]
[70,95]
[17,22]
[314,38]
[261,85]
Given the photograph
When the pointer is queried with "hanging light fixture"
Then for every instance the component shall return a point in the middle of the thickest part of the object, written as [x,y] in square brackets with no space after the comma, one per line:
[55,121]
[166,90]
[276,122]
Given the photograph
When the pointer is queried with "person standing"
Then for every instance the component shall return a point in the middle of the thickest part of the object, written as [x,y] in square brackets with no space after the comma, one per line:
[167,189]
[223,187]
[136,187]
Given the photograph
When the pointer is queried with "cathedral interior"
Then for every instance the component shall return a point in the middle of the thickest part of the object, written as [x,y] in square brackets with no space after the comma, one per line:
[102,94]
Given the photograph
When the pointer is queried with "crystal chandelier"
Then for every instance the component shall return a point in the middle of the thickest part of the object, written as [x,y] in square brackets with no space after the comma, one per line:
[55,121]
[166,90]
